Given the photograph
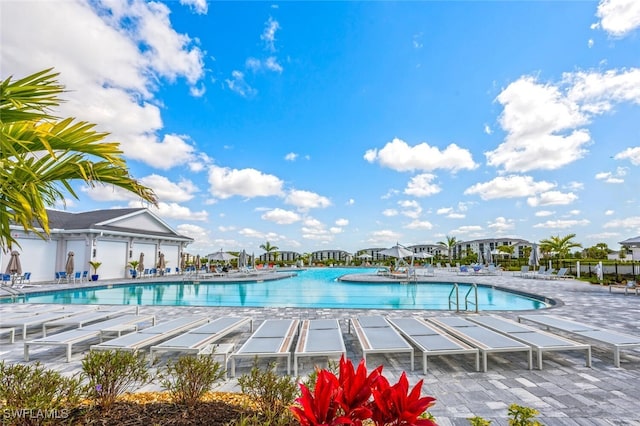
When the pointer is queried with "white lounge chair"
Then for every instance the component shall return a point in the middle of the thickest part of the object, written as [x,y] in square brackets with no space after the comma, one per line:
[540,341]
[319,337]
[37,320]
[79,320]
[149,336]
[273,339]
[10,331]
[487,341]
[430,341]
[613,339]
[201,339]
[377,336]
[91,332]
[524,270]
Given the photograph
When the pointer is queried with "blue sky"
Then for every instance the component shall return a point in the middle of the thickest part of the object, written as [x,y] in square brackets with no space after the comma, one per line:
[347,125]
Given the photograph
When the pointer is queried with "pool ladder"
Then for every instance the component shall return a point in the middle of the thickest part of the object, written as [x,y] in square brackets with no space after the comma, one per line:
[455,293]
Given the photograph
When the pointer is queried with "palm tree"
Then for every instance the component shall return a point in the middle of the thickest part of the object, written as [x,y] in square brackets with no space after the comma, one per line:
[41,154]
[507,250]
[560,245]
[449,244]
[269,249]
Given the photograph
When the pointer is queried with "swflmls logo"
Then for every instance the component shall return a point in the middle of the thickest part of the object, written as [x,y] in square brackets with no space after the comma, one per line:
[34,414]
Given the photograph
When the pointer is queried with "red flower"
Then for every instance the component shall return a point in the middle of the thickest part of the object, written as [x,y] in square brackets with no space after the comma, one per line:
[395,405]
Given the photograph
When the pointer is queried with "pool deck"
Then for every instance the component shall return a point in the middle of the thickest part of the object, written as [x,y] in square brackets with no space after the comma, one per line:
[566,392]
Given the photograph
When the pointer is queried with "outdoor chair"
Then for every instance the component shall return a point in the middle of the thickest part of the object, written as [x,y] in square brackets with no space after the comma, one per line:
[319,337]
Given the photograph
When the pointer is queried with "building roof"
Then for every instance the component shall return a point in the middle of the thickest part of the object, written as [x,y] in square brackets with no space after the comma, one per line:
[107,220]
[635,241]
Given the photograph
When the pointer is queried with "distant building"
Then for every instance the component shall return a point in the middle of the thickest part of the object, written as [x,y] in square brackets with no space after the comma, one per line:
[479,246]
[632,245]
[324,255]
[114,237]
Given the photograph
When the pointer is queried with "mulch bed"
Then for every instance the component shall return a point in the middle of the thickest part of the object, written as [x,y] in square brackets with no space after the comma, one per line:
[163,413]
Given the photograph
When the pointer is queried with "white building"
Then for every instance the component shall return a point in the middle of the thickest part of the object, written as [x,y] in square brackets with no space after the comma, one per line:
[114,237]
[632,245]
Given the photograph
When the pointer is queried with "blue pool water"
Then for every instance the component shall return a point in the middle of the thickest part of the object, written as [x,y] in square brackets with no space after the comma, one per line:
[313,288]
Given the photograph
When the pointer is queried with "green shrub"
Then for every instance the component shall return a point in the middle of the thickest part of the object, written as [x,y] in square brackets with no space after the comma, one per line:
[273,394]
[523,416]
[479,421]
[190,377]
[111,373]
[32,394]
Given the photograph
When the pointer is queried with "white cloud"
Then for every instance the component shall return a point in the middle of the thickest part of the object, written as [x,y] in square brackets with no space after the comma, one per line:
[421,186]
[544,213]
[632,154]
[292,156]
[306,200]
[170,191]
[390,212]
[419,224]
[260,236]
[112,59]
[470,230]
[575,186]
[546,123]
[198,6]
[631,223]
[610,177]
[574,212]
[508,187]
[619,17]
[501,225]
[269,34]
[609,212]
[562,224]
[487,129]
[238,84]
[281,217]
[590,43]
[271,63]
[399,156]
[342,222]
[456,216]
[444,210]
[550,198]
[541,128]
[225,182]
[410,208]
[384,237]
[175,211]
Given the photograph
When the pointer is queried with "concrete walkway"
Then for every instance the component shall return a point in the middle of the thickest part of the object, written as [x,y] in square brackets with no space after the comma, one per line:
[566,392]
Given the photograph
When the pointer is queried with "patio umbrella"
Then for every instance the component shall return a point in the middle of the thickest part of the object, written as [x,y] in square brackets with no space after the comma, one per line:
[479,259]
[221,255]
[161,263]
[534,257]
[242,259]
[397,251]
[14,266]
[488,259]
[69,267]
[141,263]
[198,263]
[364,256]
[182,262]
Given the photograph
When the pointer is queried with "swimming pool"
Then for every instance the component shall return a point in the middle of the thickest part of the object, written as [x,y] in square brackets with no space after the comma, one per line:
[312,288]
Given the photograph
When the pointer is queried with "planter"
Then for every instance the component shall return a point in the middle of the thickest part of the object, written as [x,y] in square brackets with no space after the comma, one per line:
[94,277]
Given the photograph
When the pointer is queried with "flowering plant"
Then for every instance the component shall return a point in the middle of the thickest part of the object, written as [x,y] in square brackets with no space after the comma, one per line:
[355,396]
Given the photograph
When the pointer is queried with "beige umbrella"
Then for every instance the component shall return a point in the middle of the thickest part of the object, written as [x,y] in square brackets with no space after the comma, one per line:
[141,263]
[69,267]
[182,262]
[198,264]
[161,263]
[14,266]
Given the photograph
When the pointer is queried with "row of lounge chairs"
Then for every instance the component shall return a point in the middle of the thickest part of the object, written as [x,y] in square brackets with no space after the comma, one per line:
[475,335]
[543,273]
